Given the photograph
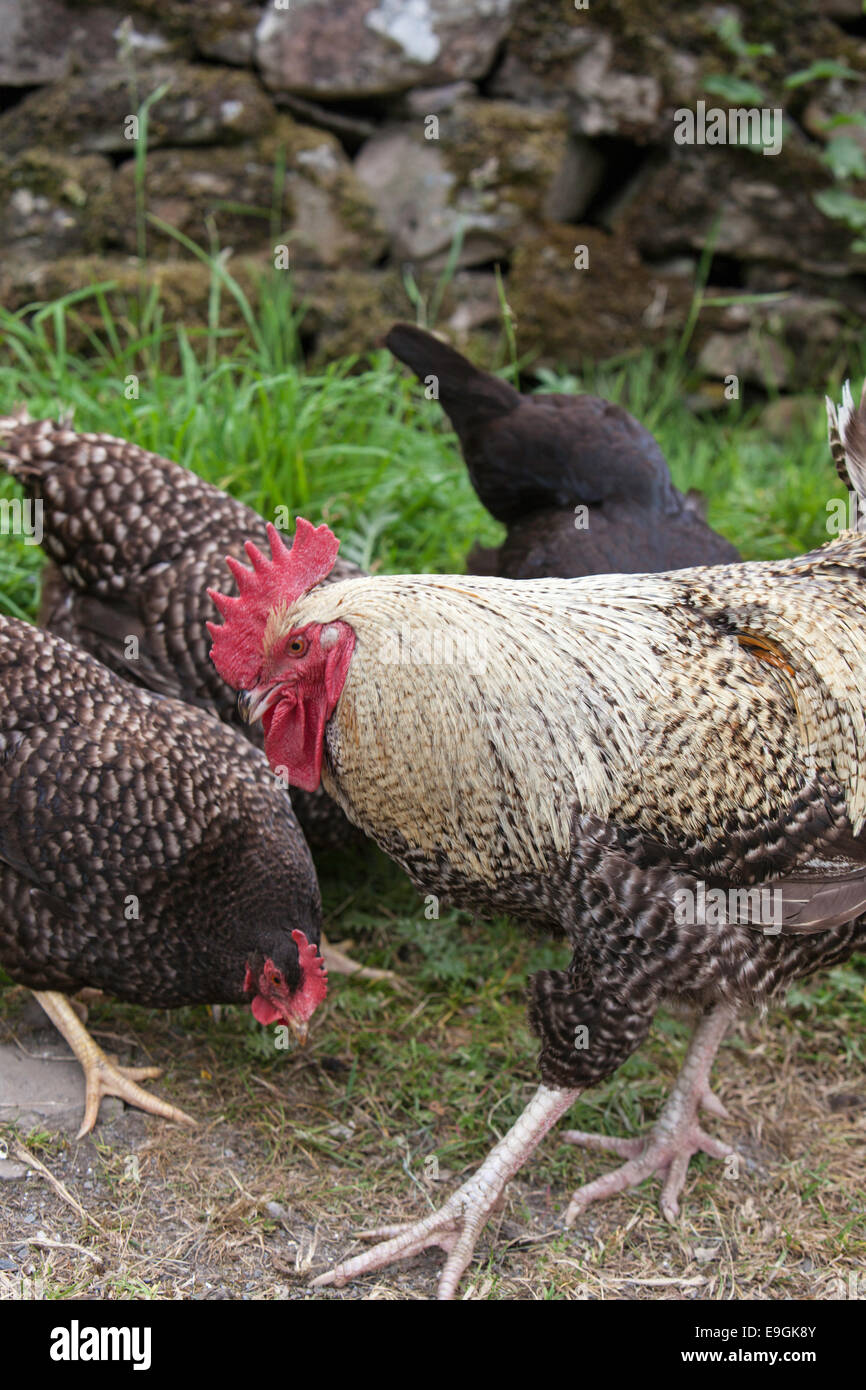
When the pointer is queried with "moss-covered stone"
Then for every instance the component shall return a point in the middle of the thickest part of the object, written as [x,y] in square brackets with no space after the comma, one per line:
[553,50]
[183,289]
[498,144]
[346,310]
[614,304]
[349,312]
[490,170]
[757,208]
[293,187]
[788,345]
[48,201]
[88,112]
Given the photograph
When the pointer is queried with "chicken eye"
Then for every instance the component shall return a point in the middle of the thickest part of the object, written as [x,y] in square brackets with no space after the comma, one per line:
[276,978]
[297,646]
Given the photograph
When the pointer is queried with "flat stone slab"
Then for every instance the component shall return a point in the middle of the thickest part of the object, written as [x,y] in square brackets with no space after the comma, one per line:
[39,1089]
[10,1170]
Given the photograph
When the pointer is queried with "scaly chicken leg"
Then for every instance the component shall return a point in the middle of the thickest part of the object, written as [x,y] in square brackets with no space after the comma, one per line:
[101,1076]
[458,1223]
[338,963]
[676,1135]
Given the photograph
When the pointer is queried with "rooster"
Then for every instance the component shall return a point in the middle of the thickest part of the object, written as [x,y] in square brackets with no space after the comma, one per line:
[580,485]
[601,757]
[145,850]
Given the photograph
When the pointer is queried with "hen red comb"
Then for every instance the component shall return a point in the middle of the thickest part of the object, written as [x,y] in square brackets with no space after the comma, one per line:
[314,968]
[284,578]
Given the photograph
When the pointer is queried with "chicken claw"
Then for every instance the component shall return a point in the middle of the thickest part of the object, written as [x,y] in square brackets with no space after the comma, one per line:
[338,963]
[103,1077]
[674,1138]
[455,1227]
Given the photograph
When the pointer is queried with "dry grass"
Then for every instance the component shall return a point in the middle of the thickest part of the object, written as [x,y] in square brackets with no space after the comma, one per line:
[295,1152]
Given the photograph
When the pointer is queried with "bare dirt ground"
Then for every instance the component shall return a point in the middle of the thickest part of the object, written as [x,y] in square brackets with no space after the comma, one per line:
[294,1153]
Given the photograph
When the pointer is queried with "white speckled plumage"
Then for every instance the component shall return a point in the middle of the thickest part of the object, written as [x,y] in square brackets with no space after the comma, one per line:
[613,739]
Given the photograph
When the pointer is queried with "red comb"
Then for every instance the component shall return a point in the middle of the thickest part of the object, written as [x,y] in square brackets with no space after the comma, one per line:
[314,968]
[284,578]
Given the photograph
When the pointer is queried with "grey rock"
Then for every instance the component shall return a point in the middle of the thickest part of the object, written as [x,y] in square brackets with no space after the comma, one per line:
[787,345]
[225,30]
[337,49]
[747,356]
[43,1090]
[576,182]
[412,188]
[608,101]
[489,170]
[539,57]
[424,101]
[43,42]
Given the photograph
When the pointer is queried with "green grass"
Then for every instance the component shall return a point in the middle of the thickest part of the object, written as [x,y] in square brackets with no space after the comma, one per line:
[357,443]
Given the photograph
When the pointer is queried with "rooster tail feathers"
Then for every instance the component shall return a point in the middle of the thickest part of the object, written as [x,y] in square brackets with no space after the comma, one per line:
[463,390]
[846,428]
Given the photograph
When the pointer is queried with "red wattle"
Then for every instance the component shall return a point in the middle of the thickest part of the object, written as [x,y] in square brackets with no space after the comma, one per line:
[264,1011]
[294,741]
[295,726]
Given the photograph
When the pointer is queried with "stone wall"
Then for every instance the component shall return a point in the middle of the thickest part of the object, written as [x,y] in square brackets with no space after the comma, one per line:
[376,139]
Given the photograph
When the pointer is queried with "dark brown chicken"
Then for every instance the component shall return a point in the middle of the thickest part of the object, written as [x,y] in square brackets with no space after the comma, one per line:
[135,542]
[145,850]
[581,486]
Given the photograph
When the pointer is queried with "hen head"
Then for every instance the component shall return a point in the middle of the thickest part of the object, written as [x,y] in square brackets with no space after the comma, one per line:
[289,677]
[290,995]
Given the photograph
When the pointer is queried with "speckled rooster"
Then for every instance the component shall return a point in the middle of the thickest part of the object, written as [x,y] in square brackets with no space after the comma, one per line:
[602,756]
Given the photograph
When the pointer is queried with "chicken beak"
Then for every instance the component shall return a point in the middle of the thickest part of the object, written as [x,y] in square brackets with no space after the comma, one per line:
[300,1028]
[252,704]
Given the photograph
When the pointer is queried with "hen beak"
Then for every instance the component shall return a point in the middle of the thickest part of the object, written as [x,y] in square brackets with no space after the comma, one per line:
[252,704]
[301,1029]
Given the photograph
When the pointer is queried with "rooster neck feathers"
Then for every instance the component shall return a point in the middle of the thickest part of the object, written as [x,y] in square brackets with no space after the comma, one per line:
[676,700]
[460,669]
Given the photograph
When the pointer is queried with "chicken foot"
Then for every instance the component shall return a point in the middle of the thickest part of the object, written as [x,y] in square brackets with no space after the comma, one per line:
[457,1224]
[103,1077]
[338,963]
[676,1135]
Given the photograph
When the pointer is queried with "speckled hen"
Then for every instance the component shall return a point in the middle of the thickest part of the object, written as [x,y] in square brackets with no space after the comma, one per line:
[620,759]
[146,850]
[582,487]
[135,540]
